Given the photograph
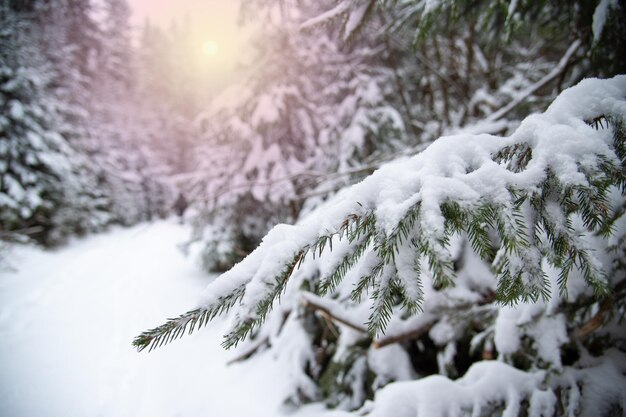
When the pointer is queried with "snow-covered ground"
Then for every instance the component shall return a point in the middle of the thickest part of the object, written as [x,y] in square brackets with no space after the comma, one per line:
[67,319]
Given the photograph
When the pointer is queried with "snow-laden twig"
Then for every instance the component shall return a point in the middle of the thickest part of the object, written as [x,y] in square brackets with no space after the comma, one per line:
[340,9]
[320,304]
[522,96]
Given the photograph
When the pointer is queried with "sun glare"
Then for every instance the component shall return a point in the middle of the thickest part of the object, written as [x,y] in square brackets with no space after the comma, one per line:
[210,48]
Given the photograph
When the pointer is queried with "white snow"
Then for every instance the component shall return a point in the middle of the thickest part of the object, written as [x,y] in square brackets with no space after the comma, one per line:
[390,363]
[67,319]
[512,8]
[599,17]
[430,6]
[16,109]
[484,383]
[333,13]
[355,18]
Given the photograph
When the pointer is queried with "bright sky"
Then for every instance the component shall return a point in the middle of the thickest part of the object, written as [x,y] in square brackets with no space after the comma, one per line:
[218,43]
[220,15]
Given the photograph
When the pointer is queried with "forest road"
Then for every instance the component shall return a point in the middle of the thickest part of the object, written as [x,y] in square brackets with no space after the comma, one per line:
[68,317]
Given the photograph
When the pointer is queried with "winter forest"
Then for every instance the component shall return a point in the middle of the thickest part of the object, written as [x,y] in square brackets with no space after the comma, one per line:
[385,208]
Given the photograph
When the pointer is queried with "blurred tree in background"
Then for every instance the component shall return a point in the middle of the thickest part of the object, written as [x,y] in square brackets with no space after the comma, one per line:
[403,276]
[97,129]
[76,153]
[337,88]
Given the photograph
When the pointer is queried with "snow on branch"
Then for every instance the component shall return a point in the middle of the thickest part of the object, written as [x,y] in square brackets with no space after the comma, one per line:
[339,10]
[330,310]
[496,388]
[522,96]
[355,10]
[486,386]
[521,201]
[600,14]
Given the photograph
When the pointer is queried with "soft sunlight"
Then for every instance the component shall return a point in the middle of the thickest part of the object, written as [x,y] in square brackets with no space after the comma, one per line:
[271,175]
[208,41]
[210,48]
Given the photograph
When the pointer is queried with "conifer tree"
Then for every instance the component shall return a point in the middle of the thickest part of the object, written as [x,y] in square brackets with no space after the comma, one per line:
[482,247]
[546,226]
[73,155]
[47,187]
[315,106]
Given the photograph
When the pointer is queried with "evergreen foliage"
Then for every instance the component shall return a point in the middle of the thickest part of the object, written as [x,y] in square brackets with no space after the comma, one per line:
[383,267]
[480,247]
[491,235]
[268,141]
[521,219]
[73,155]
[47,188]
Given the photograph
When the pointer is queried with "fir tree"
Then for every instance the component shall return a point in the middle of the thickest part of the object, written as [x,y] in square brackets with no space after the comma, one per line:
[73,158]
[392,241]
[47,187]
[480,247]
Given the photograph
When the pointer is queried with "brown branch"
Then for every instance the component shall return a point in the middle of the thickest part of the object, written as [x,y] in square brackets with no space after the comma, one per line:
[424,328]
[598,319]
[414,333]
[411,334]
[329,324]
[377,344]
[328,315]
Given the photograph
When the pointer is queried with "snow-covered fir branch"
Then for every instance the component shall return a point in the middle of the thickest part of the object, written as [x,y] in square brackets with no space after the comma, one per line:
[528,189]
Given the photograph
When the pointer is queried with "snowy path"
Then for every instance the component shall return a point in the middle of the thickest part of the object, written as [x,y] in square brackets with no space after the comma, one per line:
[67,319]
